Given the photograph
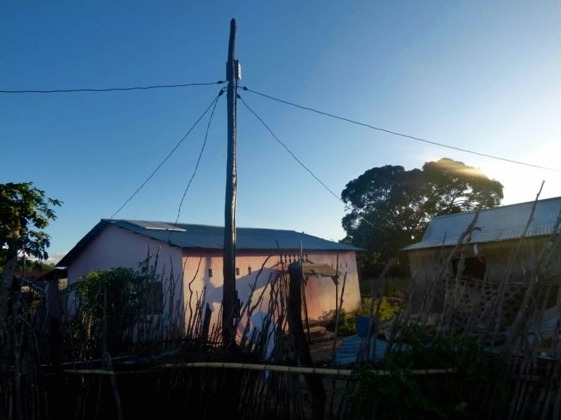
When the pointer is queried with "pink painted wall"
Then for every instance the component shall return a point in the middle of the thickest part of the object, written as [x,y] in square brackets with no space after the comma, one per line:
[116,247]
[321,292]
[190,273]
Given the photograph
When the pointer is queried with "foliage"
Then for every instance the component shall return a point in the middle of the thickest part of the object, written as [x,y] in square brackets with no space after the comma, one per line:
[347,324]
[457,394]
[395,287]
[383,309]
[24,212]
[389,207]
[110,303]
[23,265]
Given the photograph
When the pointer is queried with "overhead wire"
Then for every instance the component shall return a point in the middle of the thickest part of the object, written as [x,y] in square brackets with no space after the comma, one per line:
[198,162]
[112,89]
[287,149]
[212,104]
[244,88]
[327,114]
[296,159]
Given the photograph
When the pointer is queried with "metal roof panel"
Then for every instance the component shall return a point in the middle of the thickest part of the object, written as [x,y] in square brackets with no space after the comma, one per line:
[212,237]
[493,225]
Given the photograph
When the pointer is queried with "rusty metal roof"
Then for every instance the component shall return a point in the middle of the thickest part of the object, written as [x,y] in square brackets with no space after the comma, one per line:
[493,225]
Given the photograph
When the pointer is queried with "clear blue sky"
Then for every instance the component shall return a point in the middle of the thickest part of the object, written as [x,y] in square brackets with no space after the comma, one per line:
[481,76]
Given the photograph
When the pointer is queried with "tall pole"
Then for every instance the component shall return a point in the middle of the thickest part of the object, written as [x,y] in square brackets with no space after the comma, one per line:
[229,299]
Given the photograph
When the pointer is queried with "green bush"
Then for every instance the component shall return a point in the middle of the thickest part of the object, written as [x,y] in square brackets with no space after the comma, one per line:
[347,319]
[472,375]
[383,310]
[110,303]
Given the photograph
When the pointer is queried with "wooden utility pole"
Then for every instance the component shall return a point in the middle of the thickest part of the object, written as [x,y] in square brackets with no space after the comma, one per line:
[230,298]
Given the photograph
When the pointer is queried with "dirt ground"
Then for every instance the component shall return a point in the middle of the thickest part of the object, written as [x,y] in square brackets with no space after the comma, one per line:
[322,355]
[322,350]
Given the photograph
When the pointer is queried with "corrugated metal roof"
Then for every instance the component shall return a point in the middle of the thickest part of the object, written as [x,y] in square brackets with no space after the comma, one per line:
[190,236]
[493,225]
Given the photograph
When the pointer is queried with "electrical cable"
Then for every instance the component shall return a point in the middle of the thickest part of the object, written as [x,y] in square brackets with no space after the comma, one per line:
[395,133]
[169,154]
[299,161]
[196,165]
[113,89]
[399,134]
[213,105]
[287,149]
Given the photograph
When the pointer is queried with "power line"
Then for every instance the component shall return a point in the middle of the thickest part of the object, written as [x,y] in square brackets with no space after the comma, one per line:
[170,153]
[197,164]
[288,150]
[112,89]
[117,89]
[398,134]
[301,164]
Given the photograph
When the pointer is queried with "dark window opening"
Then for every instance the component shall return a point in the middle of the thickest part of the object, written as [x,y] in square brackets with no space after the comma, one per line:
[473,267]
[210,272]
[237,271]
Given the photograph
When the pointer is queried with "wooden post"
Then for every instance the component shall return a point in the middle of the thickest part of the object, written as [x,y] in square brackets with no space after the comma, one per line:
[229,300]
[296,330]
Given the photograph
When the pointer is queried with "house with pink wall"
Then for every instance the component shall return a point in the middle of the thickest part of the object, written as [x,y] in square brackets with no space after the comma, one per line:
[190,266]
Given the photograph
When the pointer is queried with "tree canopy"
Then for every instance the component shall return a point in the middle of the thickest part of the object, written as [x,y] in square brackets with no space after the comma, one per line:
[25,212]
[389,207]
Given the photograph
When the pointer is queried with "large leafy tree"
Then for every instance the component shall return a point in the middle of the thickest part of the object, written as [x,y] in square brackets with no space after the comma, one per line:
[389,207]
[25,211]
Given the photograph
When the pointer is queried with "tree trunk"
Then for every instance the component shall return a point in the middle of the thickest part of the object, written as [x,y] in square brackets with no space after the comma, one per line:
[6,284]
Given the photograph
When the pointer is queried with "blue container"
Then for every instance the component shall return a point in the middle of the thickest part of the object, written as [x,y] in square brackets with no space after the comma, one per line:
[362,324]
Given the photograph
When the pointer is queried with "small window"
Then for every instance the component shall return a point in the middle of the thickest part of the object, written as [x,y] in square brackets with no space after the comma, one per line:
[210,272]
[248,270]
[237,271]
